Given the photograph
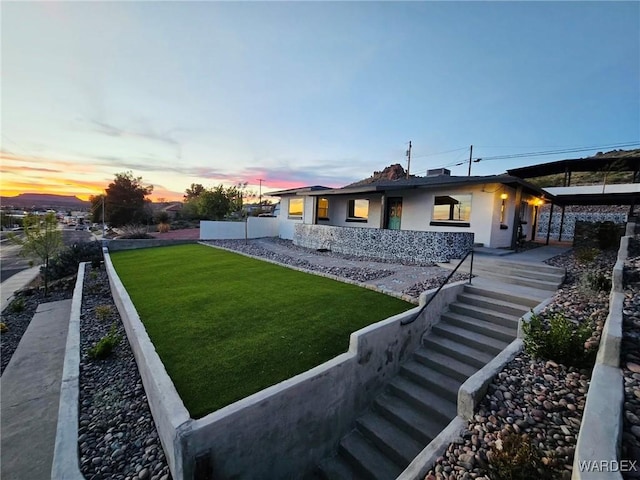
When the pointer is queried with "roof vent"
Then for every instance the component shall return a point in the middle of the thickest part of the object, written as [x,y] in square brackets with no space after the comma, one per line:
[438,171]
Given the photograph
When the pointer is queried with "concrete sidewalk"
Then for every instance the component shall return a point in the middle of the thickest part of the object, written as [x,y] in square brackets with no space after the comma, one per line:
[29,394]
[16,282]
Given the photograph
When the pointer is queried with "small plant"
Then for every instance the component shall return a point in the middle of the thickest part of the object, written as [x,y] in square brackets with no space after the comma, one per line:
[96,263]
[135,232]
[93,275]
[595,282]
[17,306]
[561,340]
[586,255]
[515,457]
[105,345]
[103,312]
[3,327]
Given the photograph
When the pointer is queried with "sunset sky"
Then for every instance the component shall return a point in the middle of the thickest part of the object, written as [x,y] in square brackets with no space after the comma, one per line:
[305,93]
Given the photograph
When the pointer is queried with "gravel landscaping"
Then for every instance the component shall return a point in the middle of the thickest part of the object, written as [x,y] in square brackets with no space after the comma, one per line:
[540,398]
[630,359]
[117,435]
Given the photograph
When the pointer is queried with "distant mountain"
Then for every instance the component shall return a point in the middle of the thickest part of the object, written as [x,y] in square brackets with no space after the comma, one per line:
[44,200]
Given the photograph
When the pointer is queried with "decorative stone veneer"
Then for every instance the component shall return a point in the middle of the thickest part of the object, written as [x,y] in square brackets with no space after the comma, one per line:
[570,218]
[397,245]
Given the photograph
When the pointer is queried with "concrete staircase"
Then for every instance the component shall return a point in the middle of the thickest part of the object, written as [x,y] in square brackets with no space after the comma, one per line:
[422,399]
[528,274]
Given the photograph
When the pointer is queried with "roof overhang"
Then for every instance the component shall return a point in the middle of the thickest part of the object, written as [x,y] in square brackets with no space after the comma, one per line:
[628,163]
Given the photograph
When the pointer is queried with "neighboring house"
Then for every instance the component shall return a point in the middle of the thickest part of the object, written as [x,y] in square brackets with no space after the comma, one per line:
[438,211]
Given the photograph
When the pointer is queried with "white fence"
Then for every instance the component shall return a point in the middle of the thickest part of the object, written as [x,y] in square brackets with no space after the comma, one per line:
[255,227]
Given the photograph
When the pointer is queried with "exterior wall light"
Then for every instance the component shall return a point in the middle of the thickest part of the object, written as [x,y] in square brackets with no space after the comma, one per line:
[503,197]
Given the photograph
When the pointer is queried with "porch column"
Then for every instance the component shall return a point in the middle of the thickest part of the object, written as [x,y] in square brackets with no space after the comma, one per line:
[561,224]
[516,217]
[549,225]
[383,211]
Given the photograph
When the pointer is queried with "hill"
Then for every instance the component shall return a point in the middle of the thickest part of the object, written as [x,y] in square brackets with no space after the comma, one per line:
[44,200]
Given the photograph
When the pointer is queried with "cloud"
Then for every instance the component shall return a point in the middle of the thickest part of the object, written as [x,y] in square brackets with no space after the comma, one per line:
[114,131]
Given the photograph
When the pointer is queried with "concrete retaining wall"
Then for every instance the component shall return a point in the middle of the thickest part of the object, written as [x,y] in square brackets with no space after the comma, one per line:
[601,430]
[396,245]
[65,464]
[284,430]
[256,227]
[126,244]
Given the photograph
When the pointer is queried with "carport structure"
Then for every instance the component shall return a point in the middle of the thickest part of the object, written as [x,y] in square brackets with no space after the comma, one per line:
[613,194]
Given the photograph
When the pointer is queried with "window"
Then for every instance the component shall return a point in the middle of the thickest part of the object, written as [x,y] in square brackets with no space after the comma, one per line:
[296,206]
[323,209]
[452,210]
[358,210]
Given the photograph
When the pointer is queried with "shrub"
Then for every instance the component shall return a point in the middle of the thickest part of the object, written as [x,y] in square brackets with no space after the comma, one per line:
[3,327]
[162,217]
[560,340]
[17,305]
[515,457]
[134,232]
[595,282]
[586,255]
[66,263]
[105,345]
[103,312]
[164,227]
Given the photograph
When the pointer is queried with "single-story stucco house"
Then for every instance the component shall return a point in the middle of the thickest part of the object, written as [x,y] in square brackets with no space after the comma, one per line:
[436,217]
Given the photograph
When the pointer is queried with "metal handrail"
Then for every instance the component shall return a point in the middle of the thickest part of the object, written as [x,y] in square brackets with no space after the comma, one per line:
[412,319]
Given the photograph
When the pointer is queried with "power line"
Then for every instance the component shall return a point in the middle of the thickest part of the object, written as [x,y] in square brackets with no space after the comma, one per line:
[556,152]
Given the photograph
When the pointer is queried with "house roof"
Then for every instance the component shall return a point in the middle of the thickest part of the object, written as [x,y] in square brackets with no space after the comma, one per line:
[296,191]
[435,181]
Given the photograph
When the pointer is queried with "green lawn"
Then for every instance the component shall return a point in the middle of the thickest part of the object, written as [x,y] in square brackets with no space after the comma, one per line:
[227,326]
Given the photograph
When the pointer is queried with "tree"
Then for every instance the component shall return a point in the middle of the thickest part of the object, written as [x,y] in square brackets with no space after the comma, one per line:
[41,240]
[194,192]
[126,201]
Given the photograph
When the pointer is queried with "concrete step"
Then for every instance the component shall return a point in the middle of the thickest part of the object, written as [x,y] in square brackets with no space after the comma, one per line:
[366,459]
[445,364]
[475,340]
[422,398]
[336,468]
[486,314]
[457,350]
[519,295]
[519,280]
[510,263]
[518,270]
[389,439]
[423,424]
[432,380]
[499,332]
[502,306]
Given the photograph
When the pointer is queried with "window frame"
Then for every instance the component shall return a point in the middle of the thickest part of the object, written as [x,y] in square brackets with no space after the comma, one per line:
[452,222]
[324,209]
[351,210]
[295,215]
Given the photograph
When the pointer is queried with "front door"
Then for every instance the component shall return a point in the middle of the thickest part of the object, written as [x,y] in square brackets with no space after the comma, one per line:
[394,213]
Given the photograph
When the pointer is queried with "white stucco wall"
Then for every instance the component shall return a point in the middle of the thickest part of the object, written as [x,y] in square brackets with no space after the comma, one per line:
[257,227]
[286,225]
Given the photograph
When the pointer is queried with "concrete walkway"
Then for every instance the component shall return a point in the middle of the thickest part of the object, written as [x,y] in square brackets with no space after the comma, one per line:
[29,394]
[16,282]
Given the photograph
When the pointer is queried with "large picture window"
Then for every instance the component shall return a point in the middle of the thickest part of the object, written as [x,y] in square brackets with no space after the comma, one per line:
[323,209]
[455,209]
[358,210]
[296,207]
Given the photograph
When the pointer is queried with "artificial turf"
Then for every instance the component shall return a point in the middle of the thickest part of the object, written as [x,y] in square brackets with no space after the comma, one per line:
[227,326]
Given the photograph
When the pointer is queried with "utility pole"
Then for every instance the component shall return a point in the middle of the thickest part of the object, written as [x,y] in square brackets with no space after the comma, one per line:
[260,201]
[470,155]
[409,159]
